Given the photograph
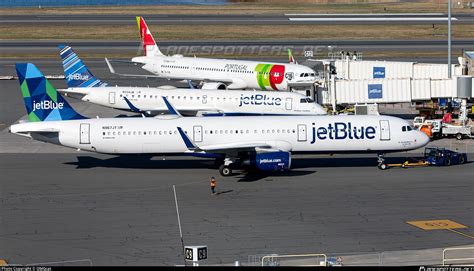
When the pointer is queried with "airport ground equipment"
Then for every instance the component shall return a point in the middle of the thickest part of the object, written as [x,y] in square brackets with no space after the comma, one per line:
[444,157]
[433,156]
[435,128]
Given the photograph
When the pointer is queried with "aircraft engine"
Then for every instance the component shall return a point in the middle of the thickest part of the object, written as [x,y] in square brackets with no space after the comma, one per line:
[270,161]
[214,85]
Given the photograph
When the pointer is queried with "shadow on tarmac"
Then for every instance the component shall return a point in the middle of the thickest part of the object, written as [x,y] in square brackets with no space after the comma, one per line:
[145,162]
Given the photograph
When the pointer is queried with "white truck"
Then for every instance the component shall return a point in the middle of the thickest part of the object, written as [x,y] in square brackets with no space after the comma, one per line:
[435,128]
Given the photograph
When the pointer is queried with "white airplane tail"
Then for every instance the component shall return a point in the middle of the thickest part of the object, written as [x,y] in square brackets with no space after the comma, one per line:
[149,45]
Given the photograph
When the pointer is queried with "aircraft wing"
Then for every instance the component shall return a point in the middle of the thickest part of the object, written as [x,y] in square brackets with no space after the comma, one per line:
[112,70]
[234,147]
[228,148]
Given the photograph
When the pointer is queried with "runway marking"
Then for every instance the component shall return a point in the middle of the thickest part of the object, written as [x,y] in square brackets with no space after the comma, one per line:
[449,225]
[364,14]
[376,19]
[428,225]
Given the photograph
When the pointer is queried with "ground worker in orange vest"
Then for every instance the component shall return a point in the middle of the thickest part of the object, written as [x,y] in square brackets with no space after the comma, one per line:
[213,185]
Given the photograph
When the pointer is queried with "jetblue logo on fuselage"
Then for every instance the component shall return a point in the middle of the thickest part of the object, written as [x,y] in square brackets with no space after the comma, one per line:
[258,99]
[78,76]
[47,105]
[342,130]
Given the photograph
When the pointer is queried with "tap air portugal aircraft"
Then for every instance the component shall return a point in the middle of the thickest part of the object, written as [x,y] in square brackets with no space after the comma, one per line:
[218,73]
[81,82]
[265,142]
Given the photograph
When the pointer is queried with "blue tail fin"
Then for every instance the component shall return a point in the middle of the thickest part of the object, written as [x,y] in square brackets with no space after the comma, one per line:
[42,101]
[77,74]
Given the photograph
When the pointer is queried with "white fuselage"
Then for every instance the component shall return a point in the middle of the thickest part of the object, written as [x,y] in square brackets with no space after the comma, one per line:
[326,134]
[236,74]
[230,102]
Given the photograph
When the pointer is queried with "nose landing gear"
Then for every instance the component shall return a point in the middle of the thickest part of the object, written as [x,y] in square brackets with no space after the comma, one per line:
[381,161]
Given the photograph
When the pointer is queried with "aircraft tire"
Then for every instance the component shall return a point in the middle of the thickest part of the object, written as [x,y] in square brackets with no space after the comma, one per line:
[225,170]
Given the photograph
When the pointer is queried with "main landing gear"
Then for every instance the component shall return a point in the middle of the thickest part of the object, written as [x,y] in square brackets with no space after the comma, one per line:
[381,161]
[225,168]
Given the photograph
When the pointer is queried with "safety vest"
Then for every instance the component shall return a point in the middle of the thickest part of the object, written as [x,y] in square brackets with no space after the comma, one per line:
[213,183]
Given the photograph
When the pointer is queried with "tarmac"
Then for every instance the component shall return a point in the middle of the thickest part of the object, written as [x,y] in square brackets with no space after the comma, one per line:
[58,204]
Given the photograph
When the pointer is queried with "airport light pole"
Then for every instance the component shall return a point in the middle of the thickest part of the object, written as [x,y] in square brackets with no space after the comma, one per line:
[449,38]
[179,224]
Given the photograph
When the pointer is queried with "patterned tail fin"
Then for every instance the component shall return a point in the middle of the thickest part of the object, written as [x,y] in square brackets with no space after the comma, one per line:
[77,74]
[149,45]
[42,101]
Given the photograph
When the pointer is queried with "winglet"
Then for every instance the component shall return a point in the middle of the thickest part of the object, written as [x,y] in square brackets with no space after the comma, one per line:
[170,107]
[112,70]
[189,144]
[291,59]
[190,84]
[131,106]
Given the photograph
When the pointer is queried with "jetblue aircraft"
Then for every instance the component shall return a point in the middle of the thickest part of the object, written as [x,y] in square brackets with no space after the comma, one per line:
[265,142]
[190,102]
[218,73]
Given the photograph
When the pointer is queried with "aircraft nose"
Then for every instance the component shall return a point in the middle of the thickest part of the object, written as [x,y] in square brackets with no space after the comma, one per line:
[422,139]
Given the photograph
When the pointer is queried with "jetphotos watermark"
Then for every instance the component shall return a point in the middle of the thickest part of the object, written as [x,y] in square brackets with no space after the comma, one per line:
[254,50]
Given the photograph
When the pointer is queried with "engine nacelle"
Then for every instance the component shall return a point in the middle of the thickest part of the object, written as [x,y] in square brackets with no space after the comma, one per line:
[214,85]
[273,161]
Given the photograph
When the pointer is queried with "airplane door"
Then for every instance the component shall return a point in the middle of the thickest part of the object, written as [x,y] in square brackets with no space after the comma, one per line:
[112,97]
[288,103]
[197,133]
[384,130]
[301,132]
[84,137]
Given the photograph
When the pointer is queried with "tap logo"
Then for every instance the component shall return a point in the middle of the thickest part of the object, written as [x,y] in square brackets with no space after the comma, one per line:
[77,76]
[47,105]
[342,130]
[259,99]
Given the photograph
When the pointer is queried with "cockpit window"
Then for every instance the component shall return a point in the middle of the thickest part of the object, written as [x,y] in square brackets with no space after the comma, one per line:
[301,75]
[303,100]
[309,100]
[407,128]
